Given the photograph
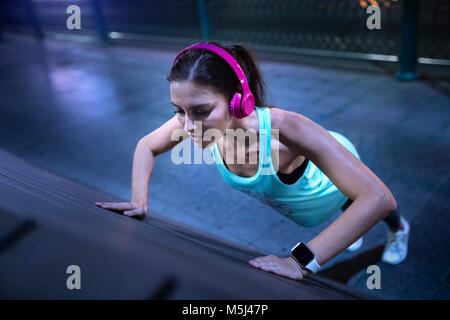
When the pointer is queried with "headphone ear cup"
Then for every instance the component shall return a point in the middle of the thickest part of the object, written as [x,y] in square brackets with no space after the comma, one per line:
[247,105]
[235,105]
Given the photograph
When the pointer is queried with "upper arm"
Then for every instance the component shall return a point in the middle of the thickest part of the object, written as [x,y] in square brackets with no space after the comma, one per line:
[160,140]
[345,170]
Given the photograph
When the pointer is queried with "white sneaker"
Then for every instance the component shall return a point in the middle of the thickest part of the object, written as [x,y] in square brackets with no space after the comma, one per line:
[356,245]
[396,247]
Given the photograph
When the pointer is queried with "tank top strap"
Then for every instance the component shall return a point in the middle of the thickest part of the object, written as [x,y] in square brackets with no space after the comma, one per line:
[264,136]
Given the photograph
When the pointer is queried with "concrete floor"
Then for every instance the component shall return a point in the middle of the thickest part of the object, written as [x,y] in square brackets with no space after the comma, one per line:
[78,110]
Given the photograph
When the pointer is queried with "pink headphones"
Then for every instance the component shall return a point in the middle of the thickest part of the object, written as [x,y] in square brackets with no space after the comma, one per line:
[240,106]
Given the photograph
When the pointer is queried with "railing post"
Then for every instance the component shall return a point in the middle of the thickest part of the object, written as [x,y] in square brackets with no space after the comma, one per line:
[34,20]
[204,19]
[1,26]
[410,26]
[100,22]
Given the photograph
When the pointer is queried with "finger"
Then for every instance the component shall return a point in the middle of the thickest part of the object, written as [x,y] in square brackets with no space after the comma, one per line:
[266,266]
[263,267]
[134,212]
[260,259]
[118,205]
[264,260]
[259,263]
[254,263]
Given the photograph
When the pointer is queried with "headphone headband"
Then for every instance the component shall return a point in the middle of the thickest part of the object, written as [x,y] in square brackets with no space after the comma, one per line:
[240,105]
[226,56]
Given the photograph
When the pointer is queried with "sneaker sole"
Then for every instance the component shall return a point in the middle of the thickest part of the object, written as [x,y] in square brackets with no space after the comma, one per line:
[356,247]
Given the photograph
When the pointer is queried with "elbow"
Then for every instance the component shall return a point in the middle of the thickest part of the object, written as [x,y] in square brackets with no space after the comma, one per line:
[394,204]
[142,144]
[391,205]
[387,202]
[384,202]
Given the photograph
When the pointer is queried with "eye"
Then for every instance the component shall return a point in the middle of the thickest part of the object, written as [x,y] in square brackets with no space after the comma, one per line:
[201,113]
[196,113]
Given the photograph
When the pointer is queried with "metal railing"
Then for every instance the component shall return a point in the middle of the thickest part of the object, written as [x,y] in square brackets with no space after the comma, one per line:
[327,27]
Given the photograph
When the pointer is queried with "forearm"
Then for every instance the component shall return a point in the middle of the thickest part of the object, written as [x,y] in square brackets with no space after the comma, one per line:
[143,161]
[356,220]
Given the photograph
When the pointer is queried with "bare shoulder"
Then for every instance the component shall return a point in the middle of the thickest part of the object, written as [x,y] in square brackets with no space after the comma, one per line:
[295,130]
[285,120]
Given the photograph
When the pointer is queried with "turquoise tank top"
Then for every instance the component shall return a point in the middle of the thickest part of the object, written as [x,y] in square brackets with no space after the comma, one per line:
[309,201]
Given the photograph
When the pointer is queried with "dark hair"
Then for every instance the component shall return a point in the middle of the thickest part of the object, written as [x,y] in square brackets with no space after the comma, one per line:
[206,68]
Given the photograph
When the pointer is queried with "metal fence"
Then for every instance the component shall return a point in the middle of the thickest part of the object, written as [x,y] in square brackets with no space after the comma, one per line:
[315,26]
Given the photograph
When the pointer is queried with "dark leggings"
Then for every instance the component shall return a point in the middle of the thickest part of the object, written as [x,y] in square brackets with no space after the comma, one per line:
[392,220]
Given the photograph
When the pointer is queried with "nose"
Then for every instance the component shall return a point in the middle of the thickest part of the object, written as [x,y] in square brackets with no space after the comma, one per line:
[193,127]
[188,125]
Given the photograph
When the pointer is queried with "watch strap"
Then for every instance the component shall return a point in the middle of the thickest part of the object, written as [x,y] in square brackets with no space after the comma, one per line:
[313,266]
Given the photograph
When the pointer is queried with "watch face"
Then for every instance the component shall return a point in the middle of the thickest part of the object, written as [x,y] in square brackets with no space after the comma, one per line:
[302,254]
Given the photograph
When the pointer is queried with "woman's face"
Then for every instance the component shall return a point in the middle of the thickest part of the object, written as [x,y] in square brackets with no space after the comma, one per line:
[198,109]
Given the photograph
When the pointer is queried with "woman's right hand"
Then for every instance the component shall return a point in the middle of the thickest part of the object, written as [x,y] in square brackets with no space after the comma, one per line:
[129,209]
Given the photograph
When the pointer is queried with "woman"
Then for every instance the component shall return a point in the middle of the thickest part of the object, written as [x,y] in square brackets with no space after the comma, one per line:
[302,170]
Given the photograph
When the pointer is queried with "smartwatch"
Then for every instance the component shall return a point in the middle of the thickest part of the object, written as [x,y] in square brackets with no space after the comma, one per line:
[304,257]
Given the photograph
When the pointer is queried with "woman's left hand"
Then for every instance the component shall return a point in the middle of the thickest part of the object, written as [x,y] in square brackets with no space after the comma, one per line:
[286,267]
